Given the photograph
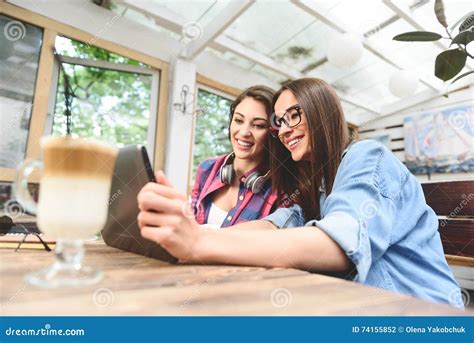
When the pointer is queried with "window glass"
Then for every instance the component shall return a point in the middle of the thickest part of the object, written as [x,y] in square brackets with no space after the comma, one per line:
[20,45]
[211,136]
[110,102]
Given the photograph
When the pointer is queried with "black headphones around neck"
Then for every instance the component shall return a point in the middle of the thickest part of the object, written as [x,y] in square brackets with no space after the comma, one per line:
[254,181]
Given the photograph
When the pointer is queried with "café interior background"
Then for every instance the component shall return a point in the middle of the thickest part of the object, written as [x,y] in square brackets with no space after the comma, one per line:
[163,74]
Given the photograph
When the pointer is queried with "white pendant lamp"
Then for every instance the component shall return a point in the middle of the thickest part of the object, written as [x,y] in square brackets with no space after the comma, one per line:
[344,50]
[403,83]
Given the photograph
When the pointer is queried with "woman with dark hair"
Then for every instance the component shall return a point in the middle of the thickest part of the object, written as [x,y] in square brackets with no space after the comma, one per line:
[361,213]
[236,187]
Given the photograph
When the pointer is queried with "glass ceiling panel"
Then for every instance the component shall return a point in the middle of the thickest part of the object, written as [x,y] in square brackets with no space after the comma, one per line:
[232,58]
[379,95]
[348,108]
[373,95]
[331,73]
[267,25]
[327,5]
[291,36]
[361,20]
[139,17]
[426,17]
[454,10]
[404,3]
[419,58]
[212,12]
[388,98]
[269,74]
[308,47]
[384,38]
[190,10]
[425,69]
[366,78]
[411,53]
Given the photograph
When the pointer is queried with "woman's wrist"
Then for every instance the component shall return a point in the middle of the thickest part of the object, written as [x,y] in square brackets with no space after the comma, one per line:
[201,246]
[210,244]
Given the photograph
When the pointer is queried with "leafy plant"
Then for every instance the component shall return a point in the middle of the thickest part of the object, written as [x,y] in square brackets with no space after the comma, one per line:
[449,63]
[108,104]
[211,132]
[296,53]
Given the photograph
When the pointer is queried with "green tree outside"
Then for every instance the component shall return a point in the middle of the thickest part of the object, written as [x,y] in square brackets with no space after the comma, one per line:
[114,105]
[109,105]
[212,127]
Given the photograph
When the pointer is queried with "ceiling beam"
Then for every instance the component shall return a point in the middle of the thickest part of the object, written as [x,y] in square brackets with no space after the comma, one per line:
[414,100]
[313,8]
[267,62]
[257,57]
[174,22]
[223,20]
[163,16]
[356,102]
[170,20]
[404,13]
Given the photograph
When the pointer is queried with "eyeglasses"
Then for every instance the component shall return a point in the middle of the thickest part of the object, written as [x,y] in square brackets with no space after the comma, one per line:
[8,227]
[291,118]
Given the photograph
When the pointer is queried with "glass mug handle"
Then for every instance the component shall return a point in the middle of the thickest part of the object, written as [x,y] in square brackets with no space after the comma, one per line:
[22,193]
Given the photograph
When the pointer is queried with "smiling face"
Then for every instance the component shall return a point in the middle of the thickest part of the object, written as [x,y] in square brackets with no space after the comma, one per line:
[296,139]
[249,130]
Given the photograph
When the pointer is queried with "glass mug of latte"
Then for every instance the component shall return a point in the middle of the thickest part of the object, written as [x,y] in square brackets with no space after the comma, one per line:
[72,205]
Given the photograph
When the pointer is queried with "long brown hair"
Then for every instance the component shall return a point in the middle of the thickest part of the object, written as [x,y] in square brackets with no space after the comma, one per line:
[262,94]
[328,137]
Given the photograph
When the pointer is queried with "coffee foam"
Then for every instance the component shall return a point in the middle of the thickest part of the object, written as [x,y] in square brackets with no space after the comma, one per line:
[72,156]
[73,207]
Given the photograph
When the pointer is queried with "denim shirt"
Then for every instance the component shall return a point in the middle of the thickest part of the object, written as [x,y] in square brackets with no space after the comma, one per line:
[378,215]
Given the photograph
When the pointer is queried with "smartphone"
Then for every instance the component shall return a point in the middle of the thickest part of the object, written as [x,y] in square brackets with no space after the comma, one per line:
[132,171]
[146,161]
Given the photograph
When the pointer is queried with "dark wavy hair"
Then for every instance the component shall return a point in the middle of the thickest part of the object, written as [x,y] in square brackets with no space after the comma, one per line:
[262,94]
[328,137]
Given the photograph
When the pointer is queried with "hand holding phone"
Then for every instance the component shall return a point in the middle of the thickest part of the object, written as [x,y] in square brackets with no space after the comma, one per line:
[133,171]
[161,178]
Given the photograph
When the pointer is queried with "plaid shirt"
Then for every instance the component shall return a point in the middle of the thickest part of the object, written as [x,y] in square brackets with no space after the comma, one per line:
[249,206]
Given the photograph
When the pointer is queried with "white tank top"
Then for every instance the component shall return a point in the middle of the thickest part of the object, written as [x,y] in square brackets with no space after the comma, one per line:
[216,216]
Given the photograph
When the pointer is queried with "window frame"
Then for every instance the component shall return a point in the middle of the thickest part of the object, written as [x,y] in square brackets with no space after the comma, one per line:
[43,86]
[6,171]
[154,73]
[213,87]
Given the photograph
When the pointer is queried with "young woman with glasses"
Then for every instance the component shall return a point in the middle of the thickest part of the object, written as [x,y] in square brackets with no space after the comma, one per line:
[361,213]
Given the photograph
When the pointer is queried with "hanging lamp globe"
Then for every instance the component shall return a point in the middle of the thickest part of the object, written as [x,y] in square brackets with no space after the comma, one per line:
[403,83]
[344,50]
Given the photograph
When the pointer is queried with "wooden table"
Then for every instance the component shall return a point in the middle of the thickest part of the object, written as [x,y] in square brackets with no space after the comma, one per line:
[136,285]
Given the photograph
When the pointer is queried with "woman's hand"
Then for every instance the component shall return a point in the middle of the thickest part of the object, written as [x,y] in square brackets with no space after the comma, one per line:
[166,218]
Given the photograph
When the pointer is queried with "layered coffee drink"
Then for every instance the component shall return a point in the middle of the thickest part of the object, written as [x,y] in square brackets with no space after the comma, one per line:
[75,186]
